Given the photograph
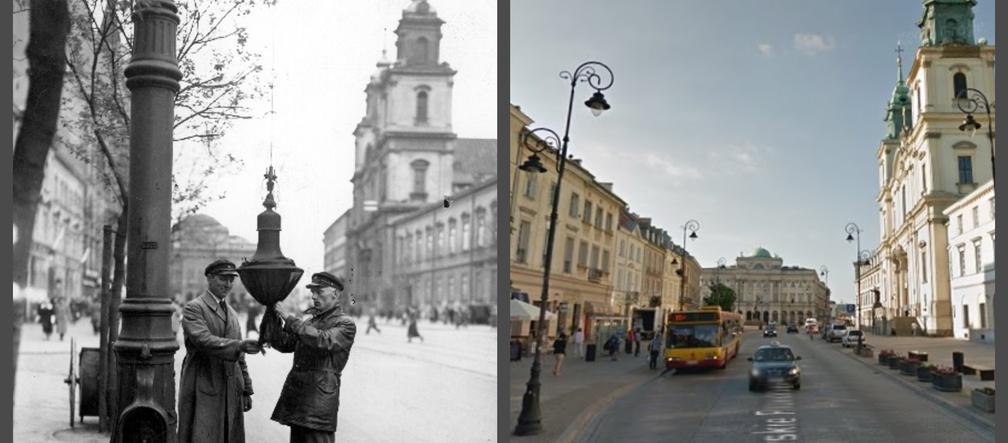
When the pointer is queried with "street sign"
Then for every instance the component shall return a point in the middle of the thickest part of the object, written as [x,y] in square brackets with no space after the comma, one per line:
[850,309]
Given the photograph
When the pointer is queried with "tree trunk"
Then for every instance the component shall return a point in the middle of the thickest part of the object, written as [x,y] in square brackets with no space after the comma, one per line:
[49,24]
[119,260]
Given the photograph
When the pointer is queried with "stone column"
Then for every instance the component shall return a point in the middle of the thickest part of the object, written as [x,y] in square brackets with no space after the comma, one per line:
[146,346]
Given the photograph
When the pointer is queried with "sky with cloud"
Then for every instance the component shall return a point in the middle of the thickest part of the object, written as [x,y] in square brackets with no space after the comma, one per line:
[758,119]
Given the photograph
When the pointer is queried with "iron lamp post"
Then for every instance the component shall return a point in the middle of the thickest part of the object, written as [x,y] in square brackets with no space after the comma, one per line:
[970,100]
[854,234]
[530,418]
[691,225]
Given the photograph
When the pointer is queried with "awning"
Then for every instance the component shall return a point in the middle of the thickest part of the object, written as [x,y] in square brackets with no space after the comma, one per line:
[526,312]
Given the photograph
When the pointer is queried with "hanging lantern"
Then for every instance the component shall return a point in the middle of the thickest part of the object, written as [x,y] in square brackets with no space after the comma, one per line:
[269,277]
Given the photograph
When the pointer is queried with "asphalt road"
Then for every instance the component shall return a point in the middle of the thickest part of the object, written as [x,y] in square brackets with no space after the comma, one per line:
[840,400]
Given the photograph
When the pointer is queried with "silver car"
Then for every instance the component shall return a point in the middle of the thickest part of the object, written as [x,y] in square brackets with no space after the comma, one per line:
[836,332]
[851,338]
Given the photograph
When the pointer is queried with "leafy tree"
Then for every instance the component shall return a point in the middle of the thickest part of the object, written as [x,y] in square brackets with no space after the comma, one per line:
[720,295]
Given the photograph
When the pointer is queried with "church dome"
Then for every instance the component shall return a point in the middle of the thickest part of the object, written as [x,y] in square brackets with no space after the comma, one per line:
[761,253]
[420,7]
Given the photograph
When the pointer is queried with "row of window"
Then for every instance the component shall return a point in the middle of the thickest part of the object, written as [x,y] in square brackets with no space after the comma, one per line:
[420,245]
[975,212]
[457,287]
[977,256]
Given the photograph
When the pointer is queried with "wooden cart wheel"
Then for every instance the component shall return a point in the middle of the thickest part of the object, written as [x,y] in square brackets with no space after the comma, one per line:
[71,380]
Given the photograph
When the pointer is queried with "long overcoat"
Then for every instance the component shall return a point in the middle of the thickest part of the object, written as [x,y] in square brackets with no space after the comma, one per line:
[214,375]
[62,316]
[321,347]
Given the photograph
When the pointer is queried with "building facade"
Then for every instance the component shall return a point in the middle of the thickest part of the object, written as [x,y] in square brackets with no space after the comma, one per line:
[971,264]
[408,160]
[334,245]
[581,287]
[766,290]
[197,241]
[926,164]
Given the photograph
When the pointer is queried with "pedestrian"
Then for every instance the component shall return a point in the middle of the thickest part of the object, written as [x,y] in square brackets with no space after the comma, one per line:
[636,351]
[629,340]
[371,323]
[654,348]
[559,351]
[45,314]
[579,342]
[215,389]
[612,345]
[412,329]
[250,323]
[62,313]
[309,401]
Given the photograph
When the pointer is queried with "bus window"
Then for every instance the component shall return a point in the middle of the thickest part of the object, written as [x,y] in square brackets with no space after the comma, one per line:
[693,336]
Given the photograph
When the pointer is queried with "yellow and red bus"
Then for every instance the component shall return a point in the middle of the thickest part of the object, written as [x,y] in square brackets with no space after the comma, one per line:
[707,338]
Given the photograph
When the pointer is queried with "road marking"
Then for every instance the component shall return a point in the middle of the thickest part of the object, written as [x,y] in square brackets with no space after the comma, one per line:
[781,422]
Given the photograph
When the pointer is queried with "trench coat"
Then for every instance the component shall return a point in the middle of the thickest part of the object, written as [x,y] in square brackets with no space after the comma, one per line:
[321,347]
[214,375]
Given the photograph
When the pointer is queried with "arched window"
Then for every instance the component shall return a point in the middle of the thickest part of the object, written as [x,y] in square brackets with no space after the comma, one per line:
[421,107]
[958,83]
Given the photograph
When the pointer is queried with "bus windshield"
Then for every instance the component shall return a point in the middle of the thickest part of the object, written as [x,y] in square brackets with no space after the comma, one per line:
[694,336]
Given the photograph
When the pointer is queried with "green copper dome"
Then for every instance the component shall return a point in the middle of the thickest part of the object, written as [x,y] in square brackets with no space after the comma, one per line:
[762,253]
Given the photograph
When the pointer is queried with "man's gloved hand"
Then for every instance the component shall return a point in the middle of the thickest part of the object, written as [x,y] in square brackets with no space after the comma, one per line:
[247,402]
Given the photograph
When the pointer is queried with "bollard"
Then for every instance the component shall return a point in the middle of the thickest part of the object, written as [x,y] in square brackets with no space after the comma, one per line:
[957,361]
[590,352]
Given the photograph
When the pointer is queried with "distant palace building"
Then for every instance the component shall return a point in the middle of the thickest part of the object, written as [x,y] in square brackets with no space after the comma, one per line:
[197,241]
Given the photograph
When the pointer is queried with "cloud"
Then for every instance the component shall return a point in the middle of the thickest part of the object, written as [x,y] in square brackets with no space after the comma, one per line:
[738,158]
[675,170]
[813,44]
[766,49]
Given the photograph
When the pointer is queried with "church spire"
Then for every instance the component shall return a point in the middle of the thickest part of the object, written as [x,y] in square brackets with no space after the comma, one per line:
[898,117]
[947,22]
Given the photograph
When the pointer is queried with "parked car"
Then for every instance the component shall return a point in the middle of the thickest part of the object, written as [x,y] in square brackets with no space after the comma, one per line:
[769,331]
[774,362]
[792,329]
[836,332]
[851,338]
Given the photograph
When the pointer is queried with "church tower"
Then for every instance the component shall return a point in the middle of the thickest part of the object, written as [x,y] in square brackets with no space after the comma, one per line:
[404,154]
[926,164]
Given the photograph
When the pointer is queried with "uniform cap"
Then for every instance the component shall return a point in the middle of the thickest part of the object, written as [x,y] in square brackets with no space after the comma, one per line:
[221,267]
[320,279]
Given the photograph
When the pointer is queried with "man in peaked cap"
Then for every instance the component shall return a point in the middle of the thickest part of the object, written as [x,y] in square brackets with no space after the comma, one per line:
[309,402]
[215,389]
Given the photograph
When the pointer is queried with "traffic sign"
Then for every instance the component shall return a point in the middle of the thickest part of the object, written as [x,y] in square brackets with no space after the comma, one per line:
[850,309]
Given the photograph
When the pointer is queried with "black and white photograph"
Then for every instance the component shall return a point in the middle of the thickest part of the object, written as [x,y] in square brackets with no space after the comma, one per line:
[255,221]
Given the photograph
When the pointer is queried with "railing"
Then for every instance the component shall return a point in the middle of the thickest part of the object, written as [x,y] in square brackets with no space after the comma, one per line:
[594,275]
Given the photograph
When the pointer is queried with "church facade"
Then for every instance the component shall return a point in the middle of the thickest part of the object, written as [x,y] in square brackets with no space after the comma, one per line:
[409,161]
[925,164]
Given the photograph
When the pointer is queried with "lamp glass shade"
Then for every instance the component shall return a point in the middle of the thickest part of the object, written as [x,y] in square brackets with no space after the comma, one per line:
[597,103]
[533,165]
[850,237]
[693,235]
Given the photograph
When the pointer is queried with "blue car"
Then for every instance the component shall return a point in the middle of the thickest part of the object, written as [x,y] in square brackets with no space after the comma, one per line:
[774,362]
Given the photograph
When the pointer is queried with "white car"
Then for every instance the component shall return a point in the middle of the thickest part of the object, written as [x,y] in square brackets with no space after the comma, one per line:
[851,338]
[835,332]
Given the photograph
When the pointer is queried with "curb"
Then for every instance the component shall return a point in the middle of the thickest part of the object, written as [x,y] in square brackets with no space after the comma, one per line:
[935,397]
[589,414]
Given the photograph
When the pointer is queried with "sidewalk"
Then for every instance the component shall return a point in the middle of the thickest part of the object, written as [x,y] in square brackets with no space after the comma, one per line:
[569,401]
[939,350]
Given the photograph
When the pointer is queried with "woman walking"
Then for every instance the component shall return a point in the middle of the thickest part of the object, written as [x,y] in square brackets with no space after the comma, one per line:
[45,314]
[412,330]
[655,347]
[62,316]
[559,351]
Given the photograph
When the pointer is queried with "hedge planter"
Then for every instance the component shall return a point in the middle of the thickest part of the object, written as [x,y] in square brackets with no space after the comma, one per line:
[867,353]
[983,399]
[883,359]
[947,382]
[924,373]
[909,367]
[895,362]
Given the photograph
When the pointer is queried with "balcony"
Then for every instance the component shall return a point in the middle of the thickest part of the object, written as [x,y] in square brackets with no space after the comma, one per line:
[594,275]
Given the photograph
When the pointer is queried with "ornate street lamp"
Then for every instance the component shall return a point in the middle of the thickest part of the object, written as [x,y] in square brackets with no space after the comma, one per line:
[530,419]
[969,101]
[693,226]
[824,272]
[854,233]
[269,276]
